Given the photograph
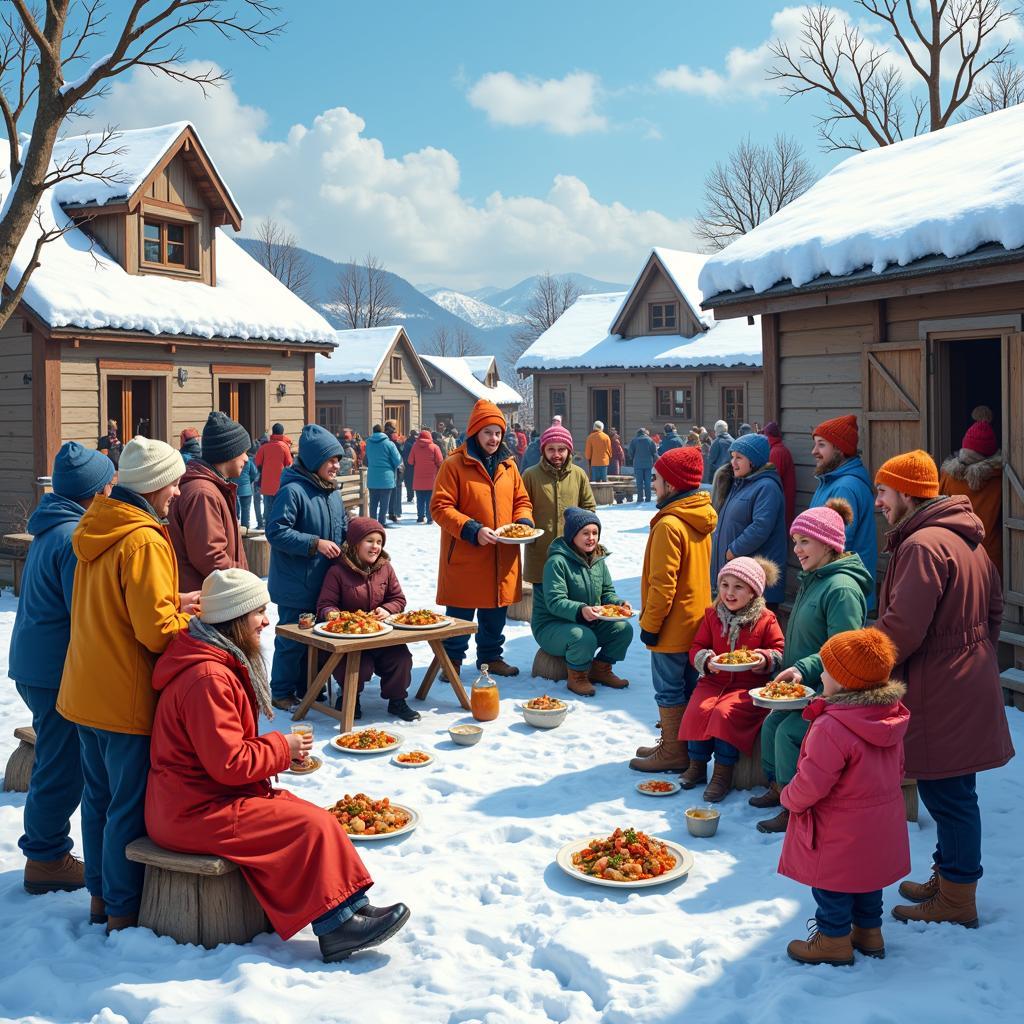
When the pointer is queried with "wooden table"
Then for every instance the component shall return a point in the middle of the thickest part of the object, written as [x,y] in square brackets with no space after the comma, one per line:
[351,650]
[17,545]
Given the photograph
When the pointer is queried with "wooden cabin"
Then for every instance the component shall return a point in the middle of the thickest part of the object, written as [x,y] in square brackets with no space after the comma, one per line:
[459,382]
[860,312]
[647,357]
[145,312]
[373,375]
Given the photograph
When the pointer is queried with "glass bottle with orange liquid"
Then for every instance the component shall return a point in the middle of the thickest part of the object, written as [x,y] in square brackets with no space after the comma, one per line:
[484,697]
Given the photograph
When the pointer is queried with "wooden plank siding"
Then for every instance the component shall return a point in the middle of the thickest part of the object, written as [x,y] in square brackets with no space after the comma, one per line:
[448,399]
[17,470]
[658,288]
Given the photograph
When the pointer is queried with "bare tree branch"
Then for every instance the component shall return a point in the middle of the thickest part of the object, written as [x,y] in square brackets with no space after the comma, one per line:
[278,250]
[551,297]
[1003,88]
[363,296]
[458,342]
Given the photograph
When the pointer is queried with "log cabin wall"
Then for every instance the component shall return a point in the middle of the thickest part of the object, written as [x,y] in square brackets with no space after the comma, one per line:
[354,400]
[18,493]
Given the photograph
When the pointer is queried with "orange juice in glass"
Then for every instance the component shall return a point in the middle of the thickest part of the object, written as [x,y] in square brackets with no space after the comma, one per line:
[484,698]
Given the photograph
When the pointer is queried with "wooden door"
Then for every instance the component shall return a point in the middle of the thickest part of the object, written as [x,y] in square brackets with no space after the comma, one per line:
[398,413]
[1013,478]
[894,405]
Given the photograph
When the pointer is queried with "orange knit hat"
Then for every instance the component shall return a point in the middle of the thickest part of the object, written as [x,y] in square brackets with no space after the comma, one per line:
[484,414]
[842,432]
[913,473]
[859,659]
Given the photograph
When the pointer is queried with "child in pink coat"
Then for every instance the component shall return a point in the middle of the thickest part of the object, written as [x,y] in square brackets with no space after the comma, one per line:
[847,834]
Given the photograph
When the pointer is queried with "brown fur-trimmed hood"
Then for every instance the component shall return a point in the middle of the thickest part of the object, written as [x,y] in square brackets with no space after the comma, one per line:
[890,693]
[349,557]
[971,470]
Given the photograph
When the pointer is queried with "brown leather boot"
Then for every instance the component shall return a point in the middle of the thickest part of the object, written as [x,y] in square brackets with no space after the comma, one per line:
[694,776]
[579,683]
[64,875]
[97,910]
[952,904]
[670,754]
[116,924]
[868,941]
[822,949]
[721,783]
[919,892]
[601,672]
[501,668]
[776,824]
[770,798]
[647,751]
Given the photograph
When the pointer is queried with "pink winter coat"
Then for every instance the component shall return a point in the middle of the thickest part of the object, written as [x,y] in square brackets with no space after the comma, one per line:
[425,458]
[848,831]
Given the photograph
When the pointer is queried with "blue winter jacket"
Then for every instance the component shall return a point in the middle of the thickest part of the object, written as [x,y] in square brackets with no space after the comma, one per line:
[247,480]
[642,452]
[669,440]
[42,626]
[718,455]
[752,521]
[851,482]
[531,457]
[382,459]
[303,513]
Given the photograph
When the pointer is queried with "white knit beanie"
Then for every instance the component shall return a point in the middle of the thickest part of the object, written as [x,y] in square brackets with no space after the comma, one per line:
[146,465]
[230,593]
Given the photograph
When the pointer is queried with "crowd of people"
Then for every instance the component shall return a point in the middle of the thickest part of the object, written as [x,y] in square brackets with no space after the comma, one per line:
[156,729]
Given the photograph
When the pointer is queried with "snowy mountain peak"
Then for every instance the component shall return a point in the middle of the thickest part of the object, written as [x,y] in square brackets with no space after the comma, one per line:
[478,313]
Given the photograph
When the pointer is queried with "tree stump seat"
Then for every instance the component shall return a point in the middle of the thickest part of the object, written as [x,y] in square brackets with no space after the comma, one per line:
[522,610]
[547,666]
[198,898]
[909,787]
[257,552]
[19,765]
[749,774]
[604,492]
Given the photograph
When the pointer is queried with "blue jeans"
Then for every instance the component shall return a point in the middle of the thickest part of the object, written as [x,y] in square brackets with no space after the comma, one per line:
[953,805]
[379,501]
[643,484]
[288,672]
[116,768]
[598,473]
[490,637]
[337,916]
[257,505]
[407,480]
[244,508]
[395,506]
[423,505]
[674,679]
[838,910]
[56,788]
[701,750]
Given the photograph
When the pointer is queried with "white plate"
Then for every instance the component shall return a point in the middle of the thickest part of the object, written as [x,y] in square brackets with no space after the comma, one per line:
[617,618]
[537,532]
[782,705]
[414,820]
[569,707]
[399,740]
[421,764]
[684,862]
[668,792]
[320,631]
[445,621]
[317,763]
[734,668]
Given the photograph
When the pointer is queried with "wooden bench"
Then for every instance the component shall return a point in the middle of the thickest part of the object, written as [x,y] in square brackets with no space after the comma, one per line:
[522,610]
[354,493]
[196,898]
[547,666]
[1012,680]
[624,487]
[15,551]
[19,765]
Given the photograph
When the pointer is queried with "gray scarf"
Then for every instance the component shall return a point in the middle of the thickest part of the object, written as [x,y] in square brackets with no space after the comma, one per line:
[256,669]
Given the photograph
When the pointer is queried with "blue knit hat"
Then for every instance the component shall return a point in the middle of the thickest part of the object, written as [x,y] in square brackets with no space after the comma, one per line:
[576,518]
[80,472]
[755,447]
[317,445]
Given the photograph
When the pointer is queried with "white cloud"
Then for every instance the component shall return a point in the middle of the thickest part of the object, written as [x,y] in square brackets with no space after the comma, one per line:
[561,105]
[341,192]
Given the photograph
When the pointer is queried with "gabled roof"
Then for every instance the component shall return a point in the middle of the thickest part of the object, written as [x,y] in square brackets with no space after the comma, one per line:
[361,353]
[681,268]
[136,157]
[481,366]
[460,370]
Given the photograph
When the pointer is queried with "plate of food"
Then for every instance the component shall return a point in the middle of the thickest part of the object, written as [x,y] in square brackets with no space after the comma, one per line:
[364,819]
[413,759]
[424,618]
[611,612]
[518,533]
[741,660]
[305,766]
[352,626]
[658,787]
[782,696]
[626,859]
[368,741]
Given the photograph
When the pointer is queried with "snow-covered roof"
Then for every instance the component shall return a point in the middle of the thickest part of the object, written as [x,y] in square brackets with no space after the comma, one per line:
[580,338]
[942,194]
[480,366]
[359,356]
[460,370]
[80,285]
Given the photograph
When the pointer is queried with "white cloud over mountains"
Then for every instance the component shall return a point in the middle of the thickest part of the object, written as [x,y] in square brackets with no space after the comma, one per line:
[564,106]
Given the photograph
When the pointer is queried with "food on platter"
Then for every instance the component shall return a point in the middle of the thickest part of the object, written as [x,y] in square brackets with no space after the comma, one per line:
[625,856]
[779,689]
[360,815]
[366,739]
[741,656]
[615,611]
[545,703]
[516,531]
[657,786]
[414,757]
[353,624]
[305,765]
[422,617]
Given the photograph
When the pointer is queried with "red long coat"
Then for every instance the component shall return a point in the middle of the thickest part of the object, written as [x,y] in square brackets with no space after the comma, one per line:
[425,458]
[782,459]
[209,791]
[720,707]
[847,828]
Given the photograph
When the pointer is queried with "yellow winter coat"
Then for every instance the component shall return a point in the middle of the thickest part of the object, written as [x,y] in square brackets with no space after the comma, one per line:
[598,450]
[675,588]
[124,613]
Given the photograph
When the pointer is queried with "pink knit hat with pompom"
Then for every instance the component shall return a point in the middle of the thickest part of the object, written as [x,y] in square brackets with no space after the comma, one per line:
[824,524]
[748,571]
[556,435]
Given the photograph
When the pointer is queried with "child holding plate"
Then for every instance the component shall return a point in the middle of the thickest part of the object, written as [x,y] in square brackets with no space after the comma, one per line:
[362,579]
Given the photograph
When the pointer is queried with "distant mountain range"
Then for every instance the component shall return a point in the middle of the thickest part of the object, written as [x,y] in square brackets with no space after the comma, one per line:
[517,298]
[472,310]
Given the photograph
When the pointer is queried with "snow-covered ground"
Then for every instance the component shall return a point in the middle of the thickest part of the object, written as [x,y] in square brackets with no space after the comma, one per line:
[498,933]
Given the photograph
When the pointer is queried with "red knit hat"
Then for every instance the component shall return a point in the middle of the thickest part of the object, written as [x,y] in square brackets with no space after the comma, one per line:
[913,473]
[360,527]
[980,436]
[859,659]
[682,468]
[484,414]
[842,432]
[556,435]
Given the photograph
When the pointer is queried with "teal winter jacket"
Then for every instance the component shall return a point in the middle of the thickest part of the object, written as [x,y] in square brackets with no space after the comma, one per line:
[570,584]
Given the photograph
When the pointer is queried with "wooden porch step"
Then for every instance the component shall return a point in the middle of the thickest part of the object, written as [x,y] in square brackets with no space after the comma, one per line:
[1012,680]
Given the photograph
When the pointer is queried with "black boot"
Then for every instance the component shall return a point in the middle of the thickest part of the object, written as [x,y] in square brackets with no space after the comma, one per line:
[361,931]
[359,708]
[403,711]
[371,911]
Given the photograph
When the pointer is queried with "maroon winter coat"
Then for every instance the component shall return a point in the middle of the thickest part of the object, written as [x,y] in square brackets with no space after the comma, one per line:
[941,604]
[847,828]
[425,458]
[782,459]
[721,706]
[209,792]
[204,527]
[349,588]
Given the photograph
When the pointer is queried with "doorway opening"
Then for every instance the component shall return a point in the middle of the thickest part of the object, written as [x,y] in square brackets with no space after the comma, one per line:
[397,413]
[606,406]
[969,374]
[132,402]
[240,399]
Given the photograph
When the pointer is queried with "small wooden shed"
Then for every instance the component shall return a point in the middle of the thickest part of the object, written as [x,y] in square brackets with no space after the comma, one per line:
[458,383]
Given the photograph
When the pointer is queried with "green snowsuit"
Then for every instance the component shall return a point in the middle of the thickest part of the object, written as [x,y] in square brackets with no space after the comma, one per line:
[571,582]
[830,599]
[551,492]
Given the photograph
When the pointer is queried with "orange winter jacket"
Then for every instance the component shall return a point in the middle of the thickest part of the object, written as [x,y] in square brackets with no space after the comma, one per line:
[471,576]
[124,613]
[598,449]
[982,483]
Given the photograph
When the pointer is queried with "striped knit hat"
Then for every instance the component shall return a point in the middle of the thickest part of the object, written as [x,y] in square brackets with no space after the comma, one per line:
[556,435]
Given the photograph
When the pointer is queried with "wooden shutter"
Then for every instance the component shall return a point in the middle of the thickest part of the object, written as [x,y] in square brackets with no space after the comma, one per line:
[1013,477]
[894,390]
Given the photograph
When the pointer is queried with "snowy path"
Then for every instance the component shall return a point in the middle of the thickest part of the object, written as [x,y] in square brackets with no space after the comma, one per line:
[498,933]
